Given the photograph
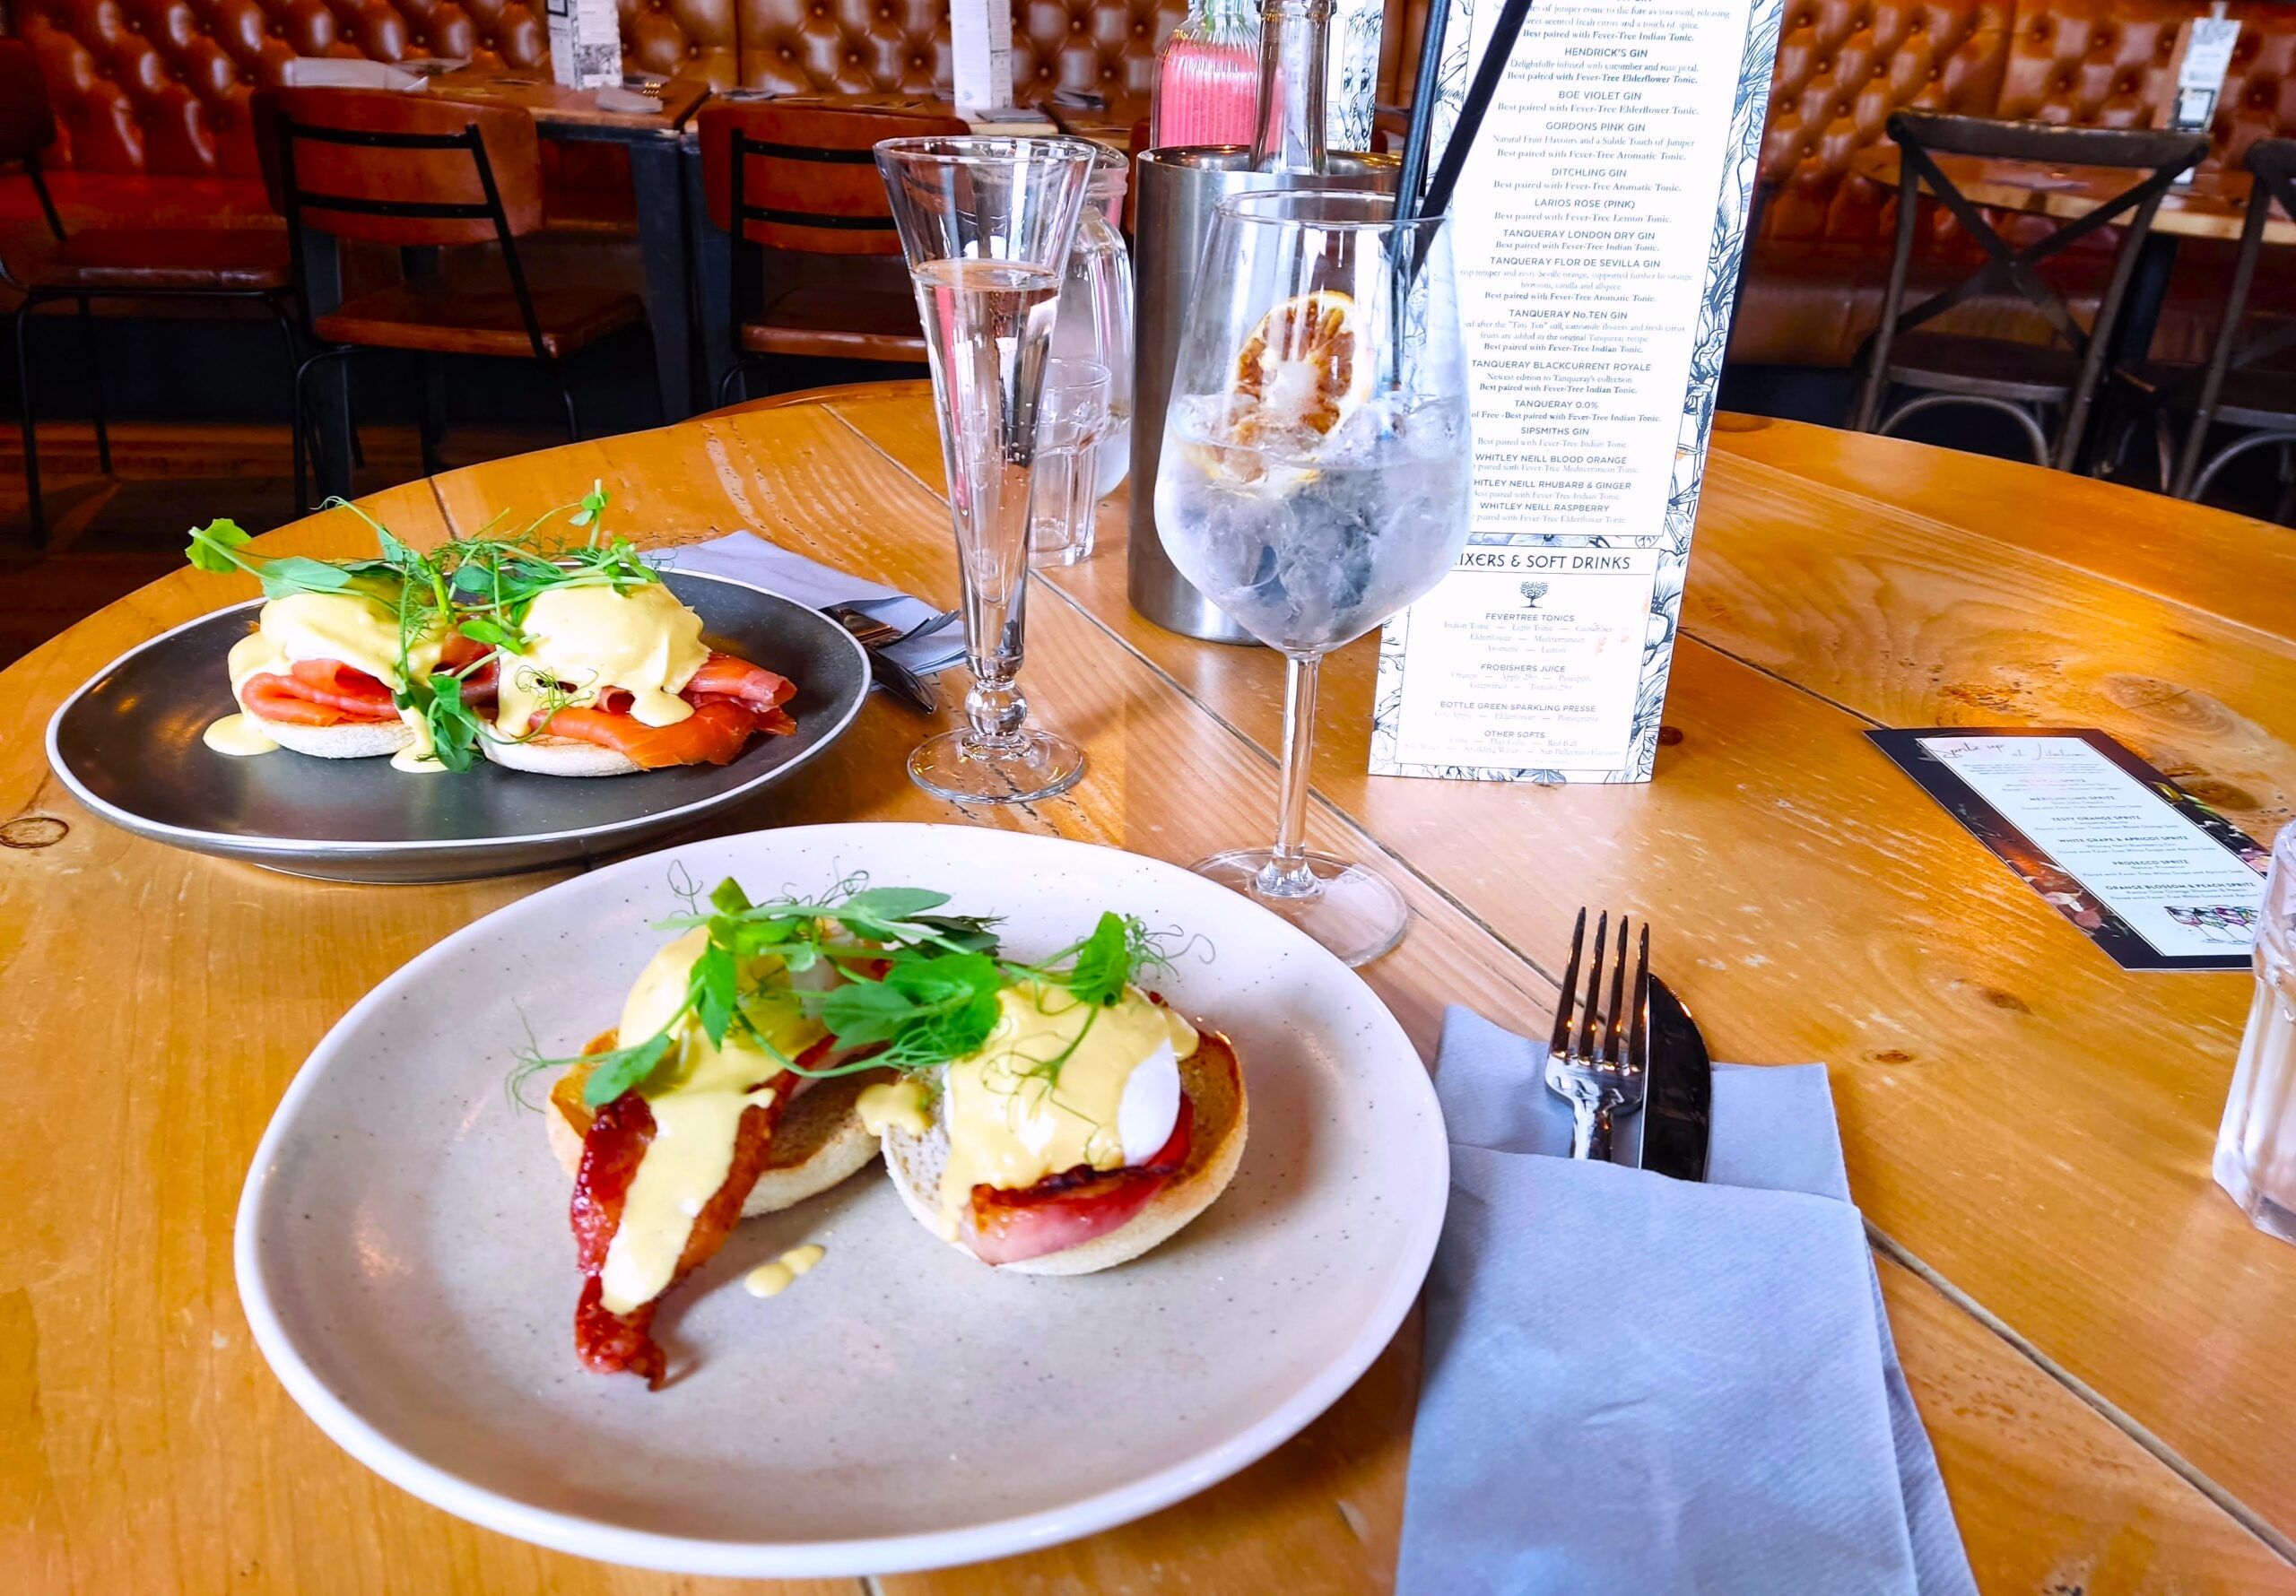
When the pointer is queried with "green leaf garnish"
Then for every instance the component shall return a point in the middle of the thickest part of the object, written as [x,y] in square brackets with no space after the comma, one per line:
[616,1072]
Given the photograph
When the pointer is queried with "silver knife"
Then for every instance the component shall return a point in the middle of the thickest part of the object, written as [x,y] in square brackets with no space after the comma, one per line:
[1678,1094]
[875,636]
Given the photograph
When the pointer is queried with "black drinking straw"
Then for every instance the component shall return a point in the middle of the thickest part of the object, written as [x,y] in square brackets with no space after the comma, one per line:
[1413,178]
[1487,73]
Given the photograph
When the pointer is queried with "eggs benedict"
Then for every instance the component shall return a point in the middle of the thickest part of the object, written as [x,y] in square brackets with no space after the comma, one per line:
[607,678]
[327,674]
[1091,1123]
[721,1093]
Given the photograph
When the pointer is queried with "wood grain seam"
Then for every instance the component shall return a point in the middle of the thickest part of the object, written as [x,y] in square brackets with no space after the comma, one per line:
[1811,486]
[2283,1545]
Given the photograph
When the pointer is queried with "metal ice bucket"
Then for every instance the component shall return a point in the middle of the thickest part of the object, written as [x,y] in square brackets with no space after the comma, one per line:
[1178,190]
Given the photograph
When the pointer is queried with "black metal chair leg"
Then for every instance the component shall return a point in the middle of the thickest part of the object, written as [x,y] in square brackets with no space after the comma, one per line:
[294,400]
[432,411]
[741,369]
[24,404]
[95,384]
[566,392]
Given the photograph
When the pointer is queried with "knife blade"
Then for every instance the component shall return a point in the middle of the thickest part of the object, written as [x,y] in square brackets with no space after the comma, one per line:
[1678,1100]
[902,682]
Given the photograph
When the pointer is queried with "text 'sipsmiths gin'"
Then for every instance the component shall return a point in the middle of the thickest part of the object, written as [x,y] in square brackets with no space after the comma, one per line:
[2256,1148]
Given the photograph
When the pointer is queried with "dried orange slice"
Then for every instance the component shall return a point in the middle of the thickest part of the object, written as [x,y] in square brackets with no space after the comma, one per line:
[1303,368]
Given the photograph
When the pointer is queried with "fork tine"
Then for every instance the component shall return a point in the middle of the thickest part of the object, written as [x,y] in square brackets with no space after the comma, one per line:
[1586,1049]
[1615,1022]
[1560,1045]
[1636,1048]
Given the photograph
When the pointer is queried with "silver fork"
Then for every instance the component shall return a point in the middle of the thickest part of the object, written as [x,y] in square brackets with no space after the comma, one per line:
[1600,1073]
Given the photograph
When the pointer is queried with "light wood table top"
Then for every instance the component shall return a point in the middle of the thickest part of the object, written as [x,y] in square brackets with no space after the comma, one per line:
[2104,1350]
[2211,206]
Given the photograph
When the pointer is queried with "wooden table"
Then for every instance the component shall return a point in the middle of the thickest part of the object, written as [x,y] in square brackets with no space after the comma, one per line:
[2103,1348]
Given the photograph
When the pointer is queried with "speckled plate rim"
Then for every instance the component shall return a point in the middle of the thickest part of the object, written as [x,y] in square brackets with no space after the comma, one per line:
[878,1555]
[234,844]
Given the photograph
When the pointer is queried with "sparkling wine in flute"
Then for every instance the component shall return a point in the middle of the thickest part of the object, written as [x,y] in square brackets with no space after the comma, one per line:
[988,328]
[987,225]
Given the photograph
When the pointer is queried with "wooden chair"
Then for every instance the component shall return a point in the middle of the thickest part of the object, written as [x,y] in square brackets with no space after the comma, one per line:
[802,180]
[2242,385]
[112,263]
[379,167]
[2024,381]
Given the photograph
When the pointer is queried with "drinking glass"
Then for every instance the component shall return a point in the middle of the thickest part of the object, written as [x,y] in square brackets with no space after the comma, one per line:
[2256,1148]
[1315,479]
[987,224]
[1072,428]
[1095,322]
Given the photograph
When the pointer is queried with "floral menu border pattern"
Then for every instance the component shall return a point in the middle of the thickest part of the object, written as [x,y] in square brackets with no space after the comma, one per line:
[1727,249]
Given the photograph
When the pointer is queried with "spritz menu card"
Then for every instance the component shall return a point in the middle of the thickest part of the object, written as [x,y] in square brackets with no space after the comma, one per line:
[2154,877]
[1598,231]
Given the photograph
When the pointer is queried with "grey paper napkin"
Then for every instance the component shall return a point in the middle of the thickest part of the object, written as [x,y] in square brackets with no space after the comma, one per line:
[1638,1385]
[748,557]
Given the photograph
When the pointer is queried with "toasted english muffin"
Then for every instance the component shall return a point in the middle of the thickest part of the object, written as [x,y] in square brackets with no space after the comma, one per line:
[819,1142]
[353,739]
[1213,1078]
[560,755]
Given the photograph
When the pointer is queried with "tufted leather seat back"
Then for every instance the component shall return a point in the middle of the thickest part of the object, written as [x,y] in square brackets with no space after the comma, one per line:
[1843,67]
[162,86]
[860,46]
[26,127]
[688,39]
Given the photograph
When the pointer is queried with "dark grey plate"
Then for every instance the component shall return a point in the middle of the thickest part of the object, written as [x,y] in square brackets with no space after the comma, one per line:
[128,746]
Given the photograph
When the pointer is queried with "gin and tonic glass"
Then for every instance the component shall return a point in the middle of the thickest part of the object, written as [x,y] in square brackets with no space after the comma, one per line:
[1315,479]
[987,225]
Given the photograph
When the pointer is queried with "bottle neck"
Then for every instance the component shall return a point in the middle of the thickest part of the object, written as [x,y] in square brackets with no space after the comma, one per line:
[1293,39]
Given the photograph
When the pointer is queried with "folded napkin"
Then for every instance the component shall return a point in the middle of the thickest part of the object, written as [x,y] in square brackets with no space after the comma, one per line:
[1638,1385]
[748,557]
[334,71]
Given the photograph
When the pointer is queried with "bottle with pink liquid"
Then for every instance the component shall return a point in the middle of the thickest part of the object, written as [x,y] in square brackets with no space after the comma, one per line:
[1207,77]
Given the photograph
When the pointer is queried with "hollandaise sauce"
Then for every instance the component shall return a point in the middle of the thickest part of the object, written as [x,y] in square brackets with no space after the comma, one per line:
[239,736]
[1059,1083]
[895,1105]
[360,630]
[591,640]
[697,1098]
[771,1279]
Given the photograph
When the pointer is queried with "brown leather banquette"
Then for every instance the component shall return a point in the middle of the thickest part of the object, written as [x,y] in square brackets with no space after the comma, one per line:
[153,89]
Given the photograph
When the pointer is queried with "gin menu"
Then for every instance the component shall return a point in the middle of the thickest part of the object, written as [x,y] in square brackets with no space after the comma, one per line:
[1598,231]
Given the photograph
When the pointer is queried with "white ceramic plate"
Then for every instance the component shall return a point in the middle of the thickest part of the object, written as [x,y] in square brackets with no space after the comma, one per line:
[403,1257]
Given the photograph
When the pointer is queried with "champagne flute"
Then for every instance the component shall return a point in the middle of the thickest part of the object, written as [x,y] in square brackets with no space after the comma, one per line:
[1316,479]
[986,224]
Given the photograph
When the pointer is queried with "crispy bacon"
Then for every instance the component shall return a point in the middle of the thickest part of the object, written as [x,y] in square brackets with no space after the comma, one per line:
[613,1149]
[1069,1209]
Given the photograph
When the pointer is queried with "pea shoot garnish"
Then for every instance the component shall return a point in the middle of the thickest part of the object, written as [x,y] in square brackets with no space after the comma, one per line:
[480,587]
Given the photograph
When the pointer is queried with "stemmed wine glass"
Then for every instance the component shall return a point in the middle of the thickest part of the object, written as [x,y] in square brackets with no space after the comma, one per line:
[1316,479]
[986,224]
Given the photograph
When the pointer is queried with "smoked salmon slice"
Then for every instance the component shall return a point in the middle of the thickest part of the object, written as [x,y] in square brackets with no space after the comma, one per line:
[721,676]
[717,731]
[733,700]
[318,692]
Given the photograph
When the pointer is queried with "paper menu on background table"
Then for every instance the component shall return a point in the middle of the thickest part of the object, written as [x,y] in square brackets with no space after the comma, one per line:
[2158,879]
[1598,231]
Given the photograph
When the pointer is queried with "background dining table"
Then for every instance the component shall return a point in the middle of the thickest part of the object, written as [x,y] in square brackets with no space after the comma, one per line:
[2211,205]
[2104,1350]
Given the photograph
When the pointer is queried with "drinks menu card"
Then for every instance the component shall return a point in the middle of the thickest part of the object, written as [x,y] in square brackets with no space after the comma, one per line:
[2155,878]
[1597,230]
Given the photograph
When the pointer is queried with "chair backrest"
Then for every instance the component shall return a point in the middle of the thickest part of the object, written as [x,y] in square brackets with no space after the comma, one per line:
[803,177]
[1921,136]
[27,127]
[2272,166]
[384,166]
